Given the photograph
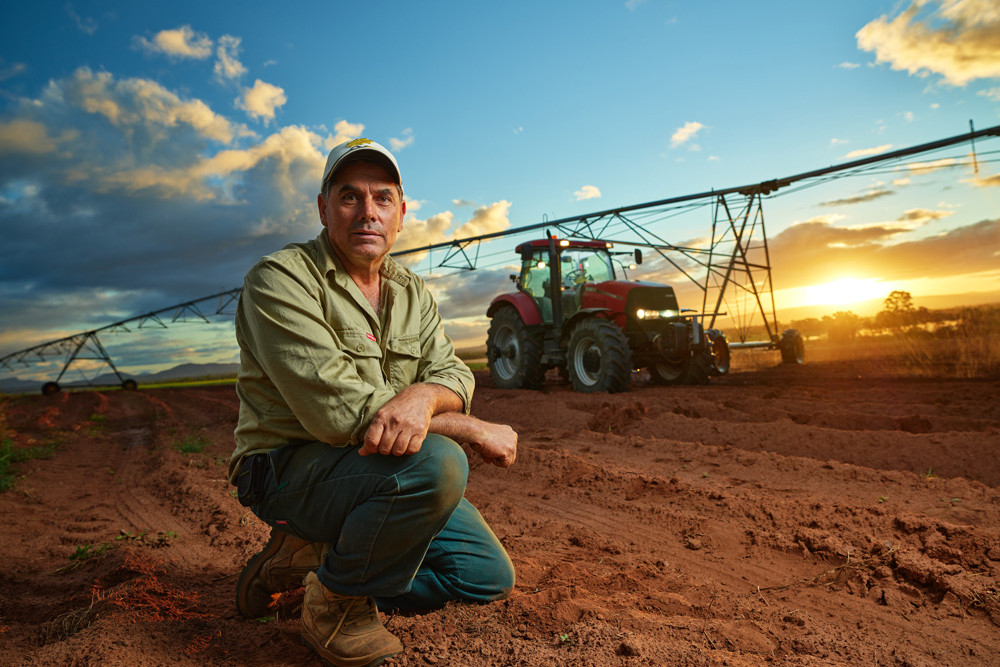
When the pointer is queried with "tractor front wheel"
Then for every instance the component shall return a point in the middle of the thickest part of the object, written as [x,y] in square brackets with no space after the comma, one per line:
[599,358]
[693,369]
[513,352]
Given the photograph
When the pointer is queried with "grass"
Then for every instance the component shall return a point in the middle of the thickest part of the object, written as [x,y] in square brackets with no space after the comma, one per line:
[11,455]
[191,444]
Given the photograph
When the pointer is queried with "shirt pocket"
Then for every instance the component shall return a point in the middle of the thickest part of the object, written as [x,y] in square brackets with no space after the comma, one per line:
[364,353]
[403,357]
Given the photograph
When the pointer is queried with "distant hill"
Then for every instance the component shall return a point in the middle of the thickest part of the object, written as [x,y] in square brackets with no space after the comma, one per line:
[15,385]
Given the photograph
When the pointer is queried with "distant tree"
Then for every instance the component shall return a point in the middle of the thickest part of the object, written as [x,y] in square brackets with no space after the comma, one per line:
[899,311]
[842,326]
[809,326]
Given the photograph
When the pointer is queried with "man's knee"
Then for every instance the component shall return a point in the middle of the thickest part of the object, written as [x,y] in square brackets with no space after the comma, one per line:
[446,468]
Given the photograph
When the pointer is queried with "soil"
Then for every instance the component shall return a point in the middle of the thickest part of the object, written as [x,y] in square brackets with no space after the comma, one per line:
[792,515]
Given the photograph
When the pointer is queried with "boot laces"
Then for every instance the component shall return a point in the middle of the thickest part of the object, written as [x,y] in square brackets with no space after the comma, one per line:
[356,612]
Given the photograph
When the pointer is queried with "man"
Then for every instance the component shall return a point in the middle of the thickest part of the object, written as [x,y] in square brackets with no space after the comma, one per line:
[351,403]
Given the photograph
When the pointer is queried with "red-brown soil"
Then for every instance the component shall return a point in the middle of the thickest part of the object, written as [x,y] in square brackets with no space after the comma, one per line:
[791,515]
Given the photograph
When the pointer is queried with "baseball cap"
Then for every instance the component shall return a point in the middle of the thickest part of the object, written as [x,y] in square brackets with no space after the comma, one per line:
[359,149]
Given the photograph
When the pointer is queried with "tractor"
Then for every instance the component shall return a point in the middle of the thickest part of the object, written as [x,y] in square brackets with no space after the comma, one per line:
[572,312]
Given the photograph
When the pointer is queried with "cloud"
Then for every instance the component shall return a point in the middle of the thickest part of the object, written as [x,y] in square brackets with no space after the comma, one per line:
[813,252]
[400,144]
[227,64]
[438,228]
[921,216]
[180,42]
[837,142]
[685,133]
[986,181]
[990,93]
[84,25]
[28,136]
[957,39]
[934,165]
[848,65]
[865,152]
[587,192]
[262,100]
[486,220]
[12,70]
[873,193]
[462,202]
[344,131]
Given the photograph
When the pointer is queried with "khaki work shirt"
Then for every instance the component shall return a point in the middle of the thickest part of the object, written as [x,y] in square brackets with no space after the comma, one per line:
[317,361]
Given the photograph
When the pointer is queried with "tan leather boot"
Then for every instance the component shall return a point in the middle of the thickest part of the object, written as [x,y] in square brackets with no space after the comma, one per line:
[280,566]
[344,631]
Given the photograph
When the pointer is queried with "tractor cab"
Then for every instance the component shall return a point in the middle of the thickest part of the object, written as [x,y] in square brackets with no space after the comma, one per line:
[579,262]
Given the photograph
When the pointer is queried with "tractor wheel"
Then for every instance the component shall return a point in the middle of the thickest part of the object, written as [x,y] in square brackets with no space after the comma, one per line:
[793,347]
[513,353]
[720,351]
[599,358]
[694,369]
[50,388]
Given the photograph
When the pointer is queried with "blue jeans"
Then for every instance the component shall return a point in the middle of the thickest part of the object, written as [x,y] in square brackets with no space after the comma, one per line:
[399,527]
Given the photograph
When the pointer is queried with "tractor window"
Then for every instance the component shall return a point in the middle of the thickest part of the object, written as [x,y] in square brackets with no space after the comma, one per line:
[579,266]
[535,275]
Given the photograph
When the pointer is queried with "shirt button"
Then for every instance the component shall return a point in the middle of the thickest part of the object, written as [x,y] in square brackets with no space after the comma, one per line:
[361,348]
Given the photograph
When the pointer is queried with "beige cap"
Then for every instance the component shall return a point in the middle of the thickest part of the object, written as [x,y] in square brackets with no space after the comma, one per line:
[364,149]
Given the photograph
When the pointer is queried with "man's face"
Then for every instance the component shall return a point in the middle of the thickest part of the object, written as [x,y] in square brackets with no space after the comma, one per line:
[362,214]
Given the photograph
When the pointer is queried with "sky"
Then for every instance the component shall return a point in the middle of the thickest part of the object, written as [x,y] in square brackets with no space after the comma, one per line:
[151,154]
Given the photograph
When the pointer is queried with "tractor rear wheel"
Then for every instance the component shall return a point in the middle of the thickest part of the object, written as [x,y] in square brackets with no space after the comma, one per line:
[720,351]
[513,352]
[599,358]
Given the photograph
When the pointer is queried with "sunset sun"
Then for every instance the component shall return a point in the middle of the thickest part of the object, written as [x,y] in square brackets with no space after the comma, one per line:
[843,291]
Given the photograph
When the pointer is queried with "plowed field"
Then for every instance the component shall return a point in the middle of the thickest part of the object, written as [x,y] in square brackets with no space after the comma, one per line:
[792,515]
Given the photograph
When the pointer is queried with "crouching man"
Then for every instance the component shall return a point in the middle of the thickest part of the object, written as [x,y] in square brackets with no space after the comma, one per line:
[352,403]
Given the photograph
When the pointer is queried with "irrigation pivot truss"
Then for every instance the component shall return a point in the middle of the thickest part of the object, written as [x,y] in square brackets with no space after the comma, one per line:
[86,345]
[732,269]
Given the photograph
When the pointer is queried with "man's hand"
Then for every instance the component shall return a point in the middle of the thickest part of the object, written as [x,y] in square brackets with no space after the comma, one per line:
[496,443]
[400,426]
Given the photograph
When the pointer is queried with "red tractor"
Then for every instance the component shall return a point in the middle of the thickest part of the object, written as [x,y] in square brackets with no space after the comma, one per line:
[571,312]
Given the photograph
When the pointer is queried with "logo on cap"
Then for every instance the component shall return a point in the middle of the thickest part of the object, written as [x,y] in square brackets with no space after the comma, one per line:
[359,142]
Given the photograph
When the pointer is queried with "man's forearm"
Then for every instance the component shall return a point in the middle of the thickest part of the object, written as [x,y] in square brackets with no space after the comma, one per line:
[496,443]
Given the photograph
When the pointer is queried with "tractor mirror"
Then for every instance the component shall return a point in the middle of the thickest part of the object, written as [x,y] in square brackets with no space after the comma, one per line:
[638,256]
[513,277]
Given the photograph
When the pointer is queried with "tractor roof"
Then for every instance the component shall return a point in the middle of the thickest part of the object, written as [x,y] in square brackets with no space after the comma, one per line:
[563,243]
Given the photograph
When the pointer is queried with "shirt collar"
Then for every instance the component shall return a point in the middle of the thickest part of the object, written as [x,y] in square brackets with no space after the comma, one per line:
[329,262]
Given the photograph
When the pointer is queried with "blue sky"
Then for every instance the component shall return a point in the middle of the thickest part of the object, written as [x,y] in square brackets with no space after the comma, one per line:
[150,154]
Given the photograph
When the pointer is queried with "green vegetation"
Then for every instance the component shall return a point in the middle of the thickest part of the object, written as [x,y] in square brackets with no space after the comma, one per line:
[88,551]
[11,455]
[191,444]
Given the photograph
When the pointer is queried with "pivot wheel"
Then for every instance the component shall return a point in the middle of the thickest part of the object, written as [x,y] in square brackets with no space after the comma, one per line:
[793,347]
[513,352]
[599,358]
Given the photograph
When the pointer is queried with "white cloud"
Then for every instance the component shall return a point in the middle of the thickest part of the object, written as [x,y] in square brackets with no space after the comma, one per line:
[990,93]
[837,142]
[180,42]
[957,39]
[587,192]
[864,152]
[262,100]
[344,131]
[228,65]
[909,116]
[848,65]
[405,141]
[486,220]
[685,133]
[22,136]
[85,25]
[134,102]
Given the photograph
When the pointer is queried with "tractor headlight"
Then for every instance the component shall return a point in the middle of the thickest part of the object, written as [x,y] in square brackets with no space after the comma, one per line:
[644,314]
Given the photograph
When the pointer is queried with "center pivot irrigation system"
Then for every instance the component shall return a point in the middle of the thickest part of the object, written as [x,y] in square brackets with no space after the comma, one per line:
[732,269]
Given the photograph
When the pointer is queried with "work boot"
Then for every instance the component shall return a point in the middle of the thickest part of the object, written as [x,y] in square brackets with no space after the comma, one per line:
[280,566]
[344,631]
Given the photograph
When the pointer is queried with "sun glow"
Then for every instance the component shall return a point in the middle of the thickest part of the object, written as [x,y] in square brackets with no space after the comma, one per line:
[843,291]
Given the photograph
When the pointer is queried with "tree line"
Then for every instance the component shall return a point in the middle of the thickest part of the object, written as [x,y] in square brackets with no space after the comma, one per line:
[901,316]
